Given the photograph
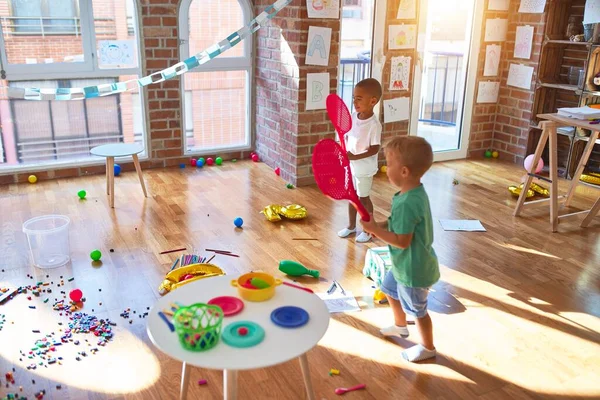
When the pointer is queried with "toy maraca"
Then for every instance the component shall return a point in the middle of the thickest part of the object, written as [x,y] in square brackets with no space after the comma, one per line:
[296,269]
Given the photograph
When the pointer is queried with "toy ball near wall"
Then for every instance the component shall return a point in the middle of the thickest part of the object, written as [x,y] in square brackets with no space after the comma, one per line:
[117,170]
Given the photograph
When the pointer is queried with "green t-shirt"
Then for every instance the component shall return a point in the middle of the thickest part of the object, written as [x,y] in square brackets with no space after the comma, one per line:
[417,265]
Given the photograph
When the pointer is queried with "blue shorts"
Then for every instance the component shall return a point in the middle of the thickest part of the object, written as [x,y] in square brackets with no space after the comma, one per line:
[413,300]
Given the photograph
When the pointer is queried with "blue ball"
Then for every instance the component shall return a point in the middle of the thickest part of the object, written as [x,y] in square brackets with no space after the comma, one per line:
[117,169]
[238,222]
[199,163]
[182,165]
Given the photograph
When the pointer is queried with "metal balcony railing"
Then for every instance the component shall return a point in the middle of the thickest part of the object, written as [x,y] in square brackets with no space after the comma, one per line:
[352,71]
[55,26]
[444,75]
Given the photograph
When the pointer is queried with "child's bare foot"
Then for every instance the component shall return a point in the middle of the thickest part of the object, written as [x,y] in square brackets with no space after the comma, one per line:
[346,232]
[395,330]
[418,353]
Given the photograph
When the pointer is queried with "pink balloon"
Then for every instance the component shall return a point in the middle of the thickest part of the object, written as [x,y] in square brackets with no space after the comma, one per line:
[529,162]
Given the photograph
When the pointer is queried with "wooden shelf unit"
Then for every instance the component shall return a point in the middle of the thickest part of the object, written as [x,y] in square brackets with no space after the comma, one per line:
[553,89]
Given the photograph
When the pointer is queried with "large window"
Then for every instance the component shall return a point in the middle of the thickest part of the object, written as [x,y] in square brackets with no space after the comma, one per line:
[52,54]
[217,95]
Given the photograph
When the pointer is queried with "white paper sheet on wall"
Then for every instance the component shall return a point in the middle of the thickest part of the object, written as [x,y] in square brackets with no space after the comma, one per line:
[498,5]
[523,42]
[395,110]
[402,37]
[407,9]
[492,59]
[532,6]
[495,30]
[520,76]
[488,92]
[318,46]
[317,89]
[323,8]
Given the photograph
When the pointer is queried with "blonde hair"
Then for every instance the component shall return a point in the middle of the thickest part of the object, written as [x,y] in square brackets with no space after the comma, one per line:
[415,152]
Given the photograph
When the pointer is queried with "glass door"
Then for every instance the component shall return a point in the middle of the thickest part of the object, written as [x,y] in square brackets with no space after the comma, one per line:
[445,72]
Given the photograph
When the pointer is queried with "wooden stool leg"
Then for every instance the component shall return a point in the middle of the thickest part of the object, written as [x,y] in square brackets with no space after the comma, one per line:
[138,168]
[553,177]
[582,162]
[185,379]
[310,393]
[111,179]
[591,214]
[537,155]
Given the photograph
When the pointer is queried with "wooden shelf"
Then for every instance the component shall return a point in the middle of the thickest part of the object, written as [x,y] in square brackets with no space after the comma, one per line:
[567,42]
[561,86]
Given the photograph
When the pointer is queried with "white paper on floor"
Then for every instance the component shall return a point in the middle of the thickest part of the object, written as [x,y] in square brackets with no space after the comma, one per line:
[338,302]
[467,225]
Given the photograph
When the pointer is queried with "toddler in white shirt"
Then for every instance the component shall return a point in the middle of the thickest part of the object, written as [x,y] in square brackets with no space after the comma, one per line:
[363,142]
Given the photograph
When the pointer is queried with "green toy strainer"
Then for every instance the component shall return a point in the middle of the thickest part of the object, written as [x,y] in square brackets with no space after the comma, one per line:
[198,326]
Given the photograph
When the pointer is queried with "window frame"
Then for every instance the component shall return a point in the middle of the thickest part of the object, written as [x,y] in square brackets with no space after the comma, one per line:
[72,70]
[44,4]
[58,71]
[240,63]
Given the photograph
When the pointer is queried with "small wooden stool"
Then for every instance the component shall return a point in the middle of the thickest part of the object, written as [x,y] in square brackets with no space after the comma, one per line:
[110,151]
[549,133]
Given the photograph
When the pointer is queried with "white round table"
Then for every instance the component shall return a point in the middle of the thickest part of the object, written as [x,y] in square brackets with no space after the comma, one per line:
[279,345]
[110,151]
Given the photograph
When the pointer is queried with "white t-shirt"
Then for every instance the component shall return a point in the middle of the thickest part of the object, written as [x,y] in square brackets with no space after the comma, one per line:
[364,134]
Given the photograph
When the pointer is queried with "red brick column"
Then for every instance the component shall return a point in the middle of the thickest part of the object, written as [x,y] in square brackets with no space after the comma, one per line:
[285,132]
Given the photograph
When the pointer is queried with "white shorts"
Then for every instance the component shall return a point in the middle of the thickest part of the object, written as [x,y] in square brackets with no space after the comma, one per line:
[363,184]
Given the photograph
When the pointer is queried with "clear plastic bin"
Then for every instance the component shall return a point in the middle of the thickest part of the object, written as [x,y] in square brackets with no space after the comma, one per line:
[48,238]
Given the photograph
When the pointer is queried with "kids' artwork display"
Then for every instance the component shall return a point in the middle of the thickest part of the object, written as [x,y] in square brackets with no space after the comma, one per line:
[400,73]
[317,89]
[495,30]
[492,60]
[319,44]
[407,9]
[402,37]
[323,8]
[523,42]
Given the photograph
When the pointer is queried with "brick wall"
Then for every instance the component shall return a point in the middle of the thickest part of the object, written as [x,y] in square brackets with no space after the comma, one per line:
[514,109]
[285,132]
[395,128]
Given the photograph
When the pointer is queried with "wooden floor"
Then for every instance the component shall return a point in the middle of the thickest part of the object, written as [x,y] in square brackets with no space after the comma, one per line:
[516,312]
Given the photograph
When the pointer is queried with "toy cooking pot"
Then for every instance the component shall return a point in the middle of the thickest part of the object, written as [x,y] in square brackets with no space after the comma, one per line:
[256,294]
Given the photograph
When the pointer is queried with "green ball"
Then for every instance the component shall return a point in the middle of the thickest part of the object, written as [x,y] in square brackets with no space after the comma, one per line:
[82,194]
[488,154]
[289,186]
[201,159]
[219,161]
[96,255]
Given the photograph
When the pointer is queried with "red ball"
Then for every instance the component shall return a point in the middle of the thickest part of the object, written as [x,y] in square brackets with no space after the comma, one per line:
[242,331]
[76,295]
[210,161]
[255,157]
[277,171]
[193,162]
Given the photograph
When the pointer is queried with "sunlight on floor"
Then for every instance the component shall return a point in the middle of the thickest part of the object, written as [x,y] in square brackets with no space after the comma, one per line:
[526,250]
[124,365]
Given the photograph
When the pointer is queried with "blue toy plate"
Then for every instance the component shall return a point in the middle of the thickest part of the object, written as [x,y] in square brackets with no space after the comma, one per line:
[289,317]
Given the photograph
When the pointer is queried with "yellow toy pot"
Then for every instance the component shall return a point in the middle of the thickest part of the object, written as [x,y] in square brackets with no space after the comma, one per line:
[256,294]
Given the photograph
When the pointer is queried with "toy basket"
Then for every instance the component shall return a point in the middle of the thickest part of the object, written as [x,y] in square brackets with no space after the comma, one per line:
[198,326]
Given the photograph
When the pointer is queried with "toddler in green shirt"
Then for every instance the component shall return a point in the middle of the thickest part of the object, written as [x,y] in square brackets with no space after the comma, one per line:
[409,234]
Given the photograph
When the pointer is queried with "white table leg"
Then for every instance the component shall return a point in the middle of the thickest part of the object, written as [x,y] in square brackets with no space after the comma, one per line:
[310,393]
[138,168]
[185,378]
[230,384]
